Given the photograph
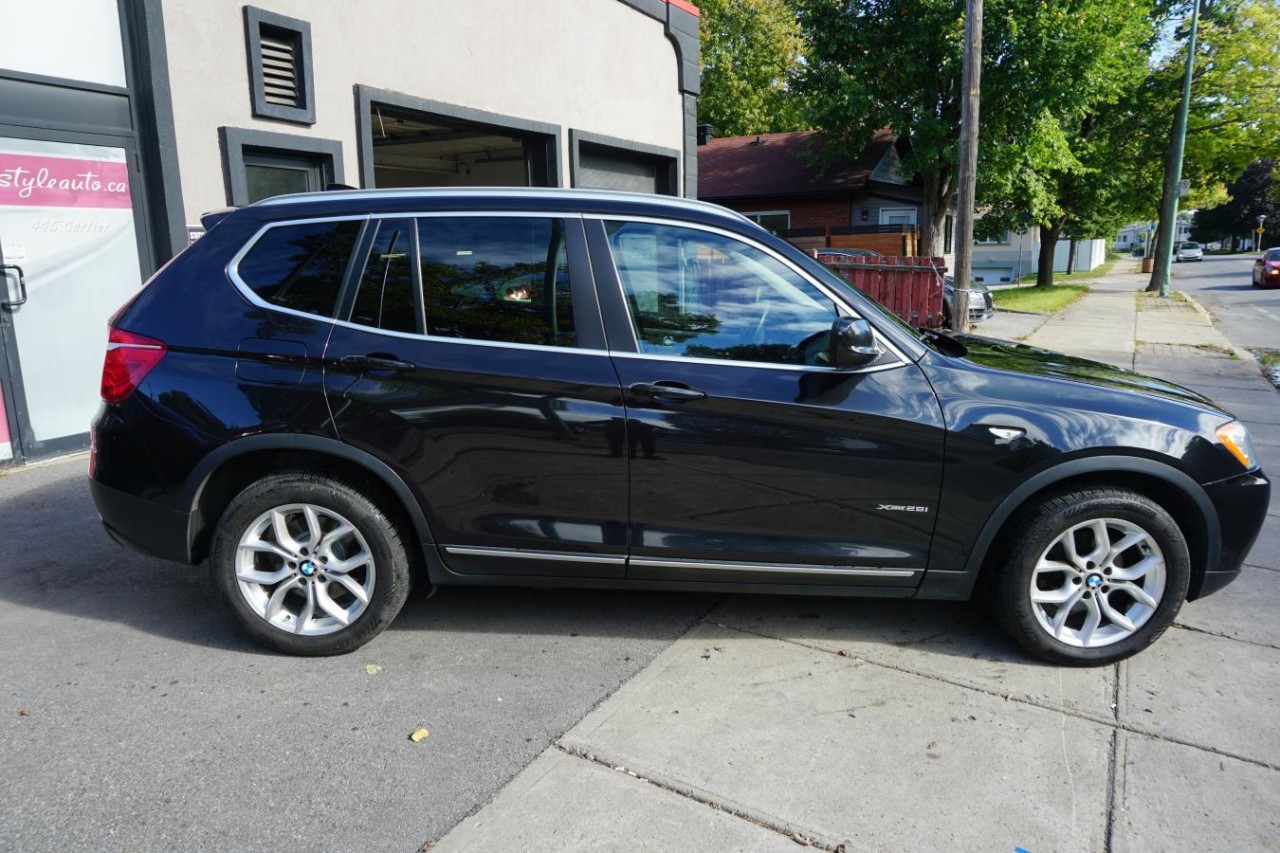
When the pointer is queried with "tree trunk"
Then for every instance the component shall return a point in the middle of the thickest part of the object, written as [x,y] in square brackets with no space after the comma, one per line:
[1071,256]
[1048,246]
[1160,269]
[936,205]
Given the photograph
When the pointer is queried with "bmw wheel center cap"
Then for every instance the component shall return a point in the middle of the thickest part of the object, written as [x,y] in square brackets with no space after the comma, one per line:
[307,568]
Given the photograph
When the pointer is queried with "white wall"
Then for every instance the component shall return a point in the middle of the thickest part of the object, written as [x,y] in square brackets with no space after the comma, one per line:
[593,65]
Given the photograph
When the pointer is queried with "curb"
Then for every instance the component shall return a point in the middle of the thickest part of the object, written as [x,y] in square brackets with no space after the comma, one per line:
[1242,354]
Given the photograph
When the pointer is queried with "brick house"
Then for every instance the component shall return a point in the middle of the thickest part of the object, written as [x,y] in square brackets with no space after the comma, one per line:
[779,180]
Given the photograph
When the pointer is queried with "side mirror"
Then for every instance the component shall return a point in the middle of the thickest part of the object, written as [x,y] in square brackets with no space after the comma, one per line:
[853,344]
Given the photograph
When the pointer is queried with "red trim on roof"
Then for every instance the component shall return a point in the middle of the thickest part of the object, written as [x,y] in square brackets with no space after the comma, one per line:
[686,6]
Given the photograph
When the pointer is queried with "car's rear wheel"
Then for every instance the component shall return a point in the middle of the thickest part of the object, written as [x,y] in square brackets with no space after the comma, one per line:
[309,564]
[1092,576]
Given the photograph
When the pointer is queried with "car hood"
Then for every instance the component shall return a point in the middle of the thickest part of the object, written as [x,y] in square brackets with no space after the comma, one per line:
[1020,358]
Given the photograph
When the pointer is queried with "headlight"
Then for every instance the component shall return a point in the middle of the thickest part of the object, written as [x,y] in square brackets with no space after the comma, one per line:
[1235,438]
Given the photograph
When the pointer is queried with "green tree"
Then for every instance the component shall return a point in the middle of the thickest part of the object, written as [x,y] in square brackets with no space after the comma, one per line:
[1256,193]
[897,64]
[749,49]
[1234,116]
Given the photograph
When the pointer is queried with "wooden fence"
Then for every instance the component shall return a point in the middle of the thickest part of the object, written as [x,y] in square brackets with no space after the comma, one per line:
[910,287]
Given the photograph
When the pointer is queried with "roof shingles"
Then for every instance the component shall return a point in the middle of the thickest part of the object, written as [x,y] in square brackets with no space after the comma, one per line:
[778,164]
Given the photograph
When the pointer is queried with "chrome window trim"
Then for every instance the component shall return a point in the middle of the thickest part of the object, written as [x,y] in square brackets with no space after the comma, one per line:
[842,308]
[764,365]
[788,568]
[232,271]
[520,554]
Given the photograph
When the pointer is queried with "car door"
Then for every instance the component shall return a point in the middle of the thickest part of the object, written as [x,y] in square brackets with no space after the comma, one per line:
[752,458]
[470,356]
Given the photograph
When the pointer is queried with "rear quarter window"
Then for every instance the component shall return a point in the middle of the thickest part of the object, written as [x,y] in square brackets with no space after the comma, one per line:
[301,266]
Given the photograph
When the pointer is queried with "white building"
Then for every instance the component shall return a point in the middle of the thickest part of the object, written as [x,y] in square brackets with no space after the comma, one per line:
[1007,258]
[143,114]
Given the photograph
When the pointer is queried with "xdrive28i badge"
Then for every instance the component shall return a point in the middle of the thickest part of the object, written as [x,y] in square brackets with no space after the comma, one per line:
[901,508]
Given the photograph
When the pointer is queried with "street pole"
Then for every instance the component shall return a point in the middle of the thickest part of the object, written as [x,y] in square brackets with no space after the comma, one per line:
[1169,216]
[967,173]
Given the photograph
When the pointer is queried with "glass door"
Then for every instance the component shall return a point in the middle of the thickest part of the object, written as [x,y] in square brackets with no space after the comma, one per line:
[69,243]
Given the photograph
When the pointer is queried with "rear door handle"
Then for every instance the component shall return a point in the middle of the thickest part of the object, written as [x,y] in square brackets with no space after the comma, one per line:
[667,391]
[377,361]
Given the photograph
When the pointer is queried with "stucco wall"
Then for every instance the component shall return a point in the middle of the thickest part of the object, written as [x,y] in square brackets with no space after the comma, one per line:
[597,66]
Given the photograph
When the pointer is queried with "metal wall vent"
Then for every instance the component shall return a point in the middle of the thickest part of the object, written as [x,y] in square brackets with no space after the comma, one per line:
[280,78]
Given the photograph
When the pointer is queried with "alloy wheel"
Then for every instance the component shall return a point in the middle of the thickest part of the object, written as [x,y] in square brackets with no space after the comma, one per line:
[1098,582]
[305,569]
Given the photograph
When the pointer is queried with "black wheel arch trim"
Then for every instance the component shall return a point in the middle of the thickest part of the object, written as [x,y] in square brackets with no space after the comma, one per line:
[941,584]
[199,477]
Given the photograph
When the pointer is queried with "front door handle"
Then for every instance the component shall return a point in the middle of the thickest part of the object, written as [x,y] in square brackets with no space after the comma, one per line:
[22,287]
[667,391]
[377,361]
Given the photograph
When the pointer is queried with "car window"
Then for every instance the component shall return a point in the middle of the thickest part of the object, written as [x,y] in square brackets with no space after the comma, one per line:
[301,266]
[496,279]
[387,298]
[701,295]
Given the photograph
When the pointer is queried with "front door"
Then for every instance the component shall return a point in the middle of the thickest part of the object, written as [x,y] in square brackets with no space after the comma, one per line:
[752,458]
[473,362]
[69,243]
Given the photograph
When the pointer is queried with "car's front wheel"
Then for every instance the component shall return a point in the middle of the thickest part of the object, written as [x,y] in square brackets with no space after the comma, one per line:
[1092,576]
[309,564]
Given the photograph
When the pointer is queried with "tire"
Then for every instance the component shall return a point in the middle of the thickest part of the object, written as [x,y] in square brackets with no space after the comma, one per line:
[286,591]
[1156,567]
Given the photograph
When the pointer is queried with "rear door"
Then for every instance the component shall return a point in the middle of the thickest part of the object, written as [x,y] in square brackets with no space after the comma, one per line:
[470,356]
[754,460]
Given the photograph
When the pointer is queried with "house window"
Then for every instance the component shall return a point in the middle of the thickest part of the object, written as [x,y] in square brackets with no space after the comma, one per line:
[773,221]
[280,66]
[897,216]
[1001,239]
[948,234]
[259,165]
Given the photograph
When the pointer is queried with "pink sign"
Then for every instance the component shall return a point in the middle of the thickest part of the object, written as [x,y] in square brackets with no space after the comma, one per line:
[28,179]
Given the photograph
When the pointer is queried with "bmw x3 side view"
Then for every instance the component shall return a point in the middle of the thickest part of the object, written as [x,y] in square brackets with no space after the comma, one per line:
[331,396]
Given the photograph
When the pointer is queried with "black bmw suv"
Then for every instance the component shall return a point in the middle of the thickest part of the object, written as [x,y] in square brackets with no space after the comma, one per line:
[333,395]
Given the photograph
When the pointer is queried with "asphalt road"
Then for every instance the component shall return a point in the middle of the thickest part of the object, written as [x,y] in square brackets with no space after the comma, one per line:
[135,717]
[1249,316]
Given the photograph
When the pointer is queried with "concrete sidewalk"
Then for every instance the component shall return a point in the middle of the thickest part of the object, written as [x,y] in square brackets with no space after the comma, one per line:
[890,725]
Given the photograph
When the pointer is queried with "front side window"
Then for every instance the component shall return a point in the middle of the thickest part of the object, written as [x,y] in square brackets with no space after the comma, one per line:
[496,279]
[301,266]
[701,295]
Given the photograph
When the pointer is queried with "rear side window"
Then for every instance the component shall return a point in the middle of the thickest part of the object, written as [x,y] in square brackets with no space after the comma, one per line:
[301,266]
[496,279]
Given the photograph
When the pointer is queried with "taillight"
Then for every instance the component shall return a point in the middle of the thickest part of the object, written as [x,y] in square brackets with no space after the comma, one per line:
[129,359]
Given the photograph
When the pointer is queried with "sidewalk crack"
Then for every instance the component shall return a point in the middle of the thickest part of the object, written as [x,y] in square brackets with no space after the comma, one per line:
[791,833]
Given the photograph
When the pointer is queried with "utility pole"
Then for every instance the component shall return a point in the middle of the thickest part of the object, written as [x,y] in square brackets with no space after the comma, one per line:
[1262,217]
[967,173]
[1169,216]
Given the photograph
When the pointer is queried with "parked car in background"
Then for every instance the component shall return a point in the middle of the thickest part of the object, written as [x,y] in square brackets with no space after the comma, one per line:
[331,396]
[835,256]
[1189,252]
[1266,269]
[981,305]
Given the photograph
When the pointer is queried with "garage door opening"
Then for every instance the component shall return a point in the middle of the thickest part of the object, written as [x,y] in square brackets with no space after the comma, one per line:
[412,148]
